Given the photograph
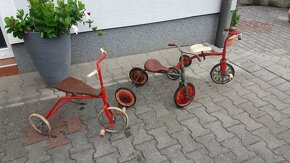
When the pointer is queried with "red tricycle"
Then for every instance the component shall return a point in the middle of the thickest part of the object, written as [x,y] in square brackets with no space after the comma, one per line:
[112,119]
[221,73]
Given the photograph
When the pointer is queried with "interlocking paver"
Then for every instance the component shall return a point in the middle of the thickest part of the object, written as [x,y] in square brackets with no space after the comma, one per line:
[228,157]
[220,133]
[252,110]
[263,152]
[226,120]
[235,97]
[61,154]
[247,121]
[238,149]
[277,115]
[172,124]
[246,137]
[279,94]
[212,145]
[279,105]
[285,122]
[255,100]
[200,156]
[160,109]
[183,114]
[174,154]
[14,150]
[240,89]
[274,127]
[187,142]
[284,151]
[85,156]
[79,142]
[270,139]
[230,107]
[102,147]
[112,158]
[209,105]
[195,127]
[139,134]
[162,137]
[151,120]
[151,152]
[36,152]
[285,136]
[259,91]
[202,115]
[125,148]
[255,160]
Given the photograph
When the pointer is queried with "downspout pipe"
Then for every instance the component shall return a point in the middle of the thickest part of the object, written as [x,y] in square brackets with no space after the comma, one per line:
[224,19]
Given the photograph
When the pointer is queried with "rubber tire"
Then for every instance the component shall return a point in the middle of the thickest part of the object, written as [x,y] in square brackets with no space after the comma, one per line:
[173,77]
[43,120]
[119,99]
[143,76]
[116,109]
[184,58]
[182,88]
[227,66]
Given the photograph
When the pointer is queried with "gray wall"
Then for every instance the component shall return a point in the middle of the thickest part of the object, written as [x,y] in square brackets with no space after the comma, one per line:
[133,40]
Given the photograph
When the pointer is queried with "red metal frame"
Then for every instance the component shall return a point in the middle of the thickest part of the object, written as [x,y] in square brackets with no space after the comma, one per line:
[232,32]
[65,99]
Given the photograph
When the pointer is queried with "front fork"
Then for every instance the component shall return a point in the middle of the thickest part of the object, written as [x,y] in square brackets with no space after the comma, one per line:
[183,81]
[223,66]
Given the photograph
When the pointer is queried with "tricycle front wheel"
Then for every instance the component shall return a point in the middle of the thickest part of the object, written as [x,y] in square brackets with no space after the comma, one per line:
[119,116]
[180,97]
[218,77]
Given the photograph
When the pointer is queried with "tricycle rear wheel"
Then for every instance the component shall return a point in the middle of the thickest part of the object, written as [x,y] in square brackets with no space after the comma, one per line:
[185,57]
[39,123]
[138,76]
[125,97]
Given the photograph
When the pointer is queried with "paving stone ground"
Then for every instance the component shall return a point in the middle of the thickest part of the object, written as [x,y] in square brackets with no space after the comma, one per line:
[246,120]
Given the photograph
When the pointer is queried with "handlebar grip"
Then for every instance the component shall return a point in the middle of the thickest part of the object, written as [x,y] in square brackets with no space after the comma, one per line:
[240,37]
[92,73]
[171,45]
[102,50]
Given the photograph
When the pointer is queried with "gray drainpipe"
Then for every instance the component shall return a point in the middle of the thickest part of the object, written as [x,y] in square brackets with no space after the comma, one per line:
[224,19]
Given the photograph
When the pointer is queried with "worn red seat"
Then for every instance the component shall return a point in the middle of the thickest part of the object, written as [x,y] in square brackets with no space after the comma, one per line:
[152,65]
[76,86]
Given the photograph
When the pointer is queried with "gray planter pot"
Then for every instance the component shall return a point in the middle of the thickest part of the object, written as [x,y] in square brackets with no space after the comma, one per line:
[51,57]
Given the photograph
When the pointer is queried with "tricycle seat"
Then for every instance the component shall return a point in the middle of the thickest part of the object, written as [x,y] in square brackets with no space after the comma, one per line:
[199,48]
[152,65]
[76,86]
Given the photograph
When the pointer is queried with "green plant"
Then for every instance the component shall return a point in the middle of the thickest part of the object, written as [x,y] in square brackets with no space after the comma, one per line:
[48,19]
[235,18]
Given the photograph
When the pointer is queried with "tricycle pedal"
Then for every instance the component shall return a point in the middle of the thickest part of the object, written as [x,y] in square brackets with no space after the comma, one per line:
[102,134]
